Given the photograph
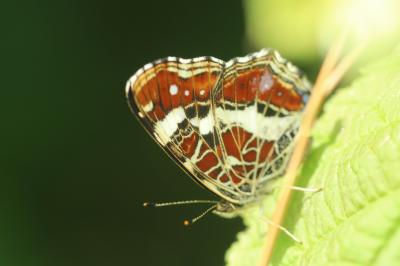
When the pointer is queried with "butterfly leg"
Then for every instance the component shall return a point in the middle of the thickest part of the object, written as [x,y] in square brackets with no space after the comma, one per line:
[285,230]
[303,189]
[306,189]
[280,227]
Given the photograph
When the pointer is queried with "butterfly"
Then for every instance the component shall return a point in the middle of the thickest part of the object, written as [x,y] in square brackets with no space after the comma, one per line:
[229,125]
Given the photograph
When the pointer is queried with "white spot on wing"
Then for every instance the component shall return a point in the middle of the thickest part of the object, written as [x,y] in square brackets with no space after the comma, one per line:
[206,124]
[184,61]
[148,66]
[278,57]
[166,127]
[173,89]
[262,53]
[243,59]
[185,74]
[148,107]
[266,82]
[229,63]
[199,59]
[186,92]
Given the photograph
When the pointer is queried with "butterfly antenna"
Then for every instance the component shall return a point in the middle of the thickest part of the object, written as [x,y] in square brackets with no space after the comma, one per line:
[186,202]
[189,222]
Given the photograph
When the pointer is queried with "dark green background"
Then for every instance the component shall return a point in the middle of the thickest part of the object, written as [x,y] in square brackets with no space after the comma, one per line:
[75,164]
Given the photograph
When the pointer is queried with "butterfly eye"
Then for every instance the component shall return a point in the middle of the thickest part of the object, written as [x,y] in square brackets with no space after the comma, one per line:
[245,187]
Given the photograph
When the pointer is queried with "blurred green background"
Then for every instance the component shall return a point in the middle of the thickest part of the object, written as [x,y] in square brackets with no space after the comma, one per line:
[76,165]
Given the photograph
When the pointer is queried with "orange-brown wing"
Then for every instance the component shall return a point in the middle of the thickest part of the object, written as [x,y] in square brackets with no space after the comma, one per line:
[257,109]
[172,99]
[230,125]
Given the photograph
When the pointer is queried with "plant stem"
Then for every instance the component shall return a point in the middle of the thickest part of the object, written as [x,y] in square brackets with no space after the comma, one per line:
[329,76]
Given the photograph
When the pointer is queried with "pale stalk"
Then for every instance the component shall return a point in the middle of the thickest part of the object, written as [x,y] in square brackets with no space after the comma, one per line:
[328,77]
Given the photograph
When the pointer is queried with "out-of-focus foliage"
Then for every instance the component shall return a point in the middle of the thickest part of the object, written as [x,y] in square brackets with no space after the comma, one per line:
[355,157]
[302,30]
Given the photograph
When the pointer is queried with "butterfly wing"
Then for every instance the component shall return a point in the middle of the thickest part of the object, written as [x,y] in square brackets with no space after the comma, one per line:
[230,125]
[172,99]
[257,109]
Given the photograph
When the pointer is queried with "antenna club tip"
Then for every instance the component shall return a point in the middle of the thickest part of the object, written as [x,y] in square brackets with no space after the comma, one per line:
[148,204]
[186,223]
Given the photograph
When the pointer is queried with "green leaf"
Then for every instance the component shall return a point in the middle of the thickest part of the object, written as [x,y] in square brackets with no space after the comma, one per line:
[355,157]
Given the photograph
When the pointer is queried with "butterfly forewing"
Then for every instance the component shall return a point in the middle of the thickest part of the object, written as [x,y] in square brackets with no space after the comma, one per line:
[172,98]
[230,125]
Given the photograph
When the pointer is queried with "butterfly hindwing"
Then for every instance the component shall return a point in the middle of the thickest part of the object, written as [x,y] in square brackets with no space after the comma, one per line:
[258,112]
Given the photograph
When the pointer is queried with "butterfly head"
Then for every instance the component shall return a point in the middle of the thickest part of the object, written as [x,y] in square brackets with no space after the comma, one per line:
[226,209]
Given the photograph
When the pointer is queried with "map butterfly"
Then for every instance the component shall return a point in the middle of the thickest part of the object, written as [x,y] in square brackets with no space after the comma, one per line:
[229,125]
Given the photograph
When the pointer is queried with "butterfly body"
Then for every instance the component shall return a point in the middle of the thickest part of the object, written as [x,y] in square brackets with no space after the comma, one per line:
[228,125]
